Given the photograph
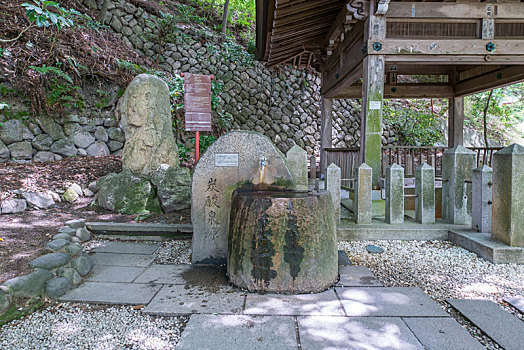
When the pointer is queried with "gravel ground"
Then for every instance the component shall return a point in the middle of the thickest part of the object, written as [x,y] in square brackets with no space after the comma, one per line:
[174,253]
[80,326]
[443,271]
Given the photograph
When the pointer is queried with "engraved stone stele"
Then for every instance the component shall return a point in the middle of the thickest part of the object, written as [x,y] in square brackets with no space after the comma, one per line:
[146,121]
[481,198]
[333,181]
[362,206]
[507,222]
[457,165]
[395,194]
[239,158]
[282,242]
[297,164]
[425,191]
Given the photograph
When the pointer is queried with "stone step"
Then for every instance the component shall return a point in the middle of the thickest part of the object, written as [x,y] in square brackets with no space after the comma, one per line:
[517,303]
[139,230]
[498,324]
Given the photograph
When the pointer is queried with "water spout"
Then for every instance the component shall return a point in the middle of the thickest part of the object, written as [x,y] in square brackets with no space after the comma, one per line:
[262,169]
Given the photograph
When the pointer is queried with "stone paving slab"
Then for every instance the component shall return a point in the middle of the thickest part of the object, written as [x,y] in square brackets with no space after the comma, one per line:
[127,248]
[442,333]
[181,299]
[112,293]
[343,259]
[182,274]
[500,325]
[356,276]
[120,274]
[114,259]
[388,301]
[232,332]
[340,333]
[517,303]
[325,303]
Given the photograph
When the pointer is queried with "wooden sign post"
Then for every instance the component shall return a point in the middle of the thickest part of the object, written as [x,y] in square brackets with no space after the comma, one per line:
[197,100]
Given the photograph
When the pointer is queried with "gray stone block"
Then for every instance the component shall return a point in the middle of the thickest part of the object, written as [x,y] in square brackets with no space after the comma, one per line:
[388,301]
[457,165]
[127,248]
[39,200]
[29,285]
[12,206]
[58,286]
[50,261]
[357,276]
[498,324]
[325,303]
[4,301]
[297,164]
[395,194]
[227,332]
[362,205]
[21,150]
[121,274]
[75,224]
[57,244]
[442,334]
[425,191]
[320,332]
[481,199]
[333,181]
[83,234]
[112,293]
[62,236]
[517,303]
[113,259]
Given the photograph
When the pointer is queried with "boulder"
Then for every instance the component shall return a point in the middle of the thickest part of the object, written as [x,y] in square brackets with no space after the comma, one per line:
[147,123]
[42,142]
[83,234]
[14,130]
[56,287]
[30,285]
[44,156]
[71,128]
[68,230]
[57,244]
[71,274]
[76,187]
[116,134]
[64,147]
[21,150]
[127,193]
[50,127]
[4,153]
[12,206]
[74,224]
[82,139]
[114,145]
[62,236]
[173,187]
[70,195]
[50,261]
[98,149]
[101,134]
[73,249]
[4,301]
[82,152]
[39,200]
[82,264]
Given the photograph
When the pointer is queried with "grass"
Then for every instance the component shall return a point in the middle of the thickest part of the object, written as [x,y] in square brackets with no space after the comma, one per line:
[18,310]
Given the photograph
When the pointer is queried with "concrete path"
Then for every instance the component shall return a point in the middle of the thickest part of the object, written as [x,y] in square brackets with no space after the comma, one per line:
[357,313]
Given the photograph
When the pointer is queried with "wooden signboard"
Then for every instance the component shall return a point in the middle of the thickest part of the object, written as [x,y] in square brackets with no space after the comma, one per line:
[197,102]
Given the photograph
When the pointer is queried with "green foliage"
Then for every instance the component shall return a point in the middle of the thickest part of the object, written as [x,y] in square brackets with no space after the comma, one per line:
[505,112]
[49,13]
[184,153]
[15,312]
[413,122]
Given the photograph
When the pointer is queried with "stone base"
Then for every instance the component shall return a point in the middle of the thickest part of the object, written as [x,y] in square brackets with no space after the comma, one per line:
[487,248]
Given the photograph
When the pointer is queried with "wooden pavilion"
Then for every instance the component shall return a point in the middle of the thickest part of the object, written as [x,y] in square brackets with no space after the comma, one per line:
[376,49]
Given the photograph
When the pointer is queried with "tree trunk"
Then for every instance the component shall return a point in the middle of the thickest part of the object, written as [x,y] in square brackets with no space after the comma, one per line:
[486,108]
[224,18]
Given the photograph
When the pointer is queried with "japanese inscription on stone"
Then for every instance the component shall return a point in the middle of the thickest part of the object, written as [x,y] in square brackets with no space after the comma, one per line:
[212,208]
[197,101]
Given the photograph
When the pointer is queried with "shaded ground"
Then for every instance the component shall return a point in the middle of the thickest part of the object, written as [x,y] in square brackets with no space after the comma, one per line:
[24,235]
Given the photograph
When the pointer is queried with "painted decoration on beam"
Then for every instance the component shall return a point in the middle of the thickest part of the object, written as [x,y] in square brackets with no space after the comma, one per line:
[197,101]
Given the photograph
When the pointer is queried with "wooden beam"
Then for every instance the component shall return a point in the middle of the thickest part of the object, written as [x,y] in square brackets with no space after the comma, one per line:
[456,59]
[492,80]
[326,127]
[401,91]
[446,47]
[455,10]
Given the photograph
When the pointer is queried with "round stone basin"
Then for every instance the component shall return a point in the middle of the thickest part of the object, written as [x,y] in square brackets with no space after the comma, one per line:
[282,241]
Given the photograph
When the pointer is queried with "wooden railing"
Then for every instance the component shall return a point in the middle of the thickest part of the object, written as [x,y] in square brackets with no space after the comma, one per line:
[407,156]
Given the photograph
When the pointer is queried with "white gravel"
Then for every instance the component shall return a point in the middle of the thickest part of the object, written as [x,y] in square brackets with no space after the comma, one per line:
[174,252]
[78,326]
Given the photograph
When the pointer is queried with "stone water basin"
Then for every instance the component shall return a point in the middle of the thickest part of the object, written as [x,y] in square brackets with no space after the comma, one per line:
[282,241]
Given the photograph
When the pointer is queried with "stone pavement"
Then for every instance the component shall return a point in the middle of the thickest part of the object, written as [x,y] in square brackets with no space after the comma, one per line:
[357,313]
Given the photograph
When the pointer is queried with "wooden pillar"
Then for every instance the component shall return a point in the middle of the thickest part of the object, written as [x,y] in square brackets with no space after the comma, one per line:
[326,129]
[456,122]
[372,99]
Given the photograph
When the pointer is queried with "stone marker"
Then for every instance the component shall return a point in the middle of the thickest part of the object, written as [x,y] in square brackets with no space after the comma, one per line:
[333,187]
[362,206]
[507,222]
[457,165]
[235,159]
[481,198]
[425,191]
[146,120]
[297,165]
[395,194]
[312,167]
[409,165]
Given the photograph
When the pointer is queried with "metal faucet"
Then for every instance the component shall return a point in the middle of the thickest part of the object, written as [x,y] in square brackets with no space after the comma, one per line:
[262,164]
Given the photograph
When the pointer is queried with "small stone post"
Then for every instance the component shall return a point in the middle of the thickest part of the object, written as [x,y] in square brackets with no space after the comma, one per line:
[297,164]
[507,222]
[362,207]
[312,167]
[425,191]
[481,198]
[457,165]
[395,194]
[409,165]
[333,179]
